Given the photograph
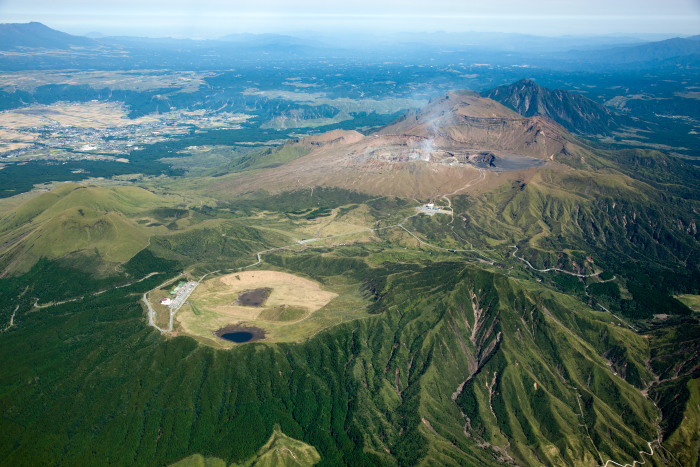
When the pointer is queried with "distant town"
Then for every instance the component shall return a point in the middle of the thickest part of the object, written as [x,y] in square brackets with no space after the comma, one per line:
[96,131]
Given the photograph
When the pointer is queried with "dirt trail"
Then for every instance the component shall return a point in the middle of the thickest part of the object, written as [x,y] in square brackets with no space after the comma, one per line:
[471,183]
[12,320]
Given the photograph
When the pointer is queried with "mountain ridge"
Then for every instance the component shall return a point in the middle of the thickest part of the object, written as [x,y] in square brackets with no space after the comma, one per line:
[37,35]
[574,111]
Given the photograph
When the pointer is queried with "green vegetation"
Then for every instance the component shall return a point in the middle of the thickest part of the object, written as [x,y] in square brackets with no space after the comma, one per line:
[319,212]
[684,440]
[302,200]
[280,450]
[271,157]
[283,313]
[20,178]
[75,220]
[602,222]
[358,389]
[488,343]
[691,301]
[197,460]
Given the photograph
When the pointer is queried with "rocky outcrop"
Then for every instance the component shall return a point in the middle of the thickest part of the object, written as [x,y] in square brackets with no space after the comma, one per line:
[573,111]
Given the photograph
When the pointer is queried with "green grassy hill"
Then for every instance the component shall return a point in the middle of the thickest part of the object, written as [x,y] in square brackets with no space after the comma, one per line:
[110,225]
[279,451]
[127,200]
[70,220]
[113,236]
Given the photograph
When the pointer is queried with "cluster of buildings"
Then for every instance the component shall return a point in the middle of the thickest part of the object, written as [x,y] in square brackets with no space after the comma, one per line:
[431,209]
[116,140]
[179,294]
[167,301]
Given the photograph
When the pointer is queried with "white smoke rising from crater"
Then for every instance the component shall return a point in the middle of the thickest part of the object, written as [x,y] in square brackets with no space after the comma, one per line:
[426,148]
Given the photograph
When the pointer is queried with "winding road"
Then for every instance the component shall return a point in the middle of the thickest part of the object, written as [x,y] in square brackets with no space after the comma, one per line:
[99,292]
[563,271]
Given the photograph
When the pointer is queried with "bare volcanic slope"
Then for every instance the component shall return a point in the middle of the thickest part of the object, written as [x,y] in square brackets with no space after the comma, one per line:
[458,144]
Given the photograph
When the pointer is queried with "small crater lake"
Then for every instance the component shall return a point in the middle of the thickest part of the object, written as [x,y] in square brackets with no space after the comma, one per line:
[239,334]
[238,337]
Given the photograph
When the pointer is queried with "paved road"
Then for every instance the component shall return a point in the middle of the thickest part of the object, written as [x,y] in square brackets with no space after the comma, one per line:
[563,271]
[100,292]
[151,312]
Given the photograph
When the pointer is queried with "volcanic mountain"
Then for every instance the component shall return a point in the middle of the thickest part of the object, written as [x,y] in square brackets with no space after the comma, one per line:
[459,143]
[75,220]
[38,35]
[573,111]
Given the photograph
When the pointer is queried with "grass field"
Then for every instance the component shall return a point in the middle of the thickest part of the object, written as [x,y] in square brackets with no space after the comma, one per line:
[73,219]
[691,301]
[296,308]
[143,81]
[686,435]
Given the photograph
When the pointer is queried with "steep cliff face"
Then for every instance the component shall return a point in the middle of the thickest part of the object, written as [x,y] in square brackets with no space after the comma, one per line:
[466,120]
[573,111]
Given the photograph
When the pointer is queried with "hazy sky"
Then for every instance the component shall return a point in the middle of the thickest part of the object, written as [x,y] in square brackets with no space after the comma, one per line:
[213,18]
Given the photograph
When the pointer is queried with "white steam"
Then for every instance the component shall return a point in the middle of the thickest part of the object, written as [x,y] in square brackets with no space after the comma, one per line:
[427,147]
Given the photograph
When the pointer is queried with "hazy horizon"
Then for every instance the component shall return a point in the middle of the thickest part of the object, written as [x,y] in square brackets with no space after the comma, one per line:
[209,19]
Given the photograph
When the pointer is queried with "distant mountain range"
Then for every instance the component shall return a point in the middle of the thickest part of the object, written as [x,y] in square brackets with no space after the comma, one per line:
[38,35]
[664,54]
[271,40]
[613,50]
[652,51]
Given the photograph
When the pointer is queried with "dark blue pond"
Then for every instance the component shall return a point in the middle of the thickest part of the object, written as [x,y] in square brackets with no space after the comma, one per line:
[237,337]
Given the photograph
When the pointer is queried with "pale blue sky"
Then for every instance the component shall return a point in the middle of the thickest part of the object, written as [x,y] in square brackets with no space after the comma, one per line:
[213,18]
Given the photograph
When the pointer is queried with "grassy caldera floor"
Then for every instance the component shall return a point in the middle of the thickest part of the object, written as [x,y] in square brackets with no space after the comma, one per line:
[291,309]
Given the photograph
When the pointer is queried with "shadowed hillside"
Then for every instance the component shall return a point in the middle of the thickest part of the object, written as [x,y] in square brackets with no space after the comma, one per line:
[575,112]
